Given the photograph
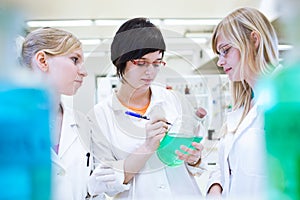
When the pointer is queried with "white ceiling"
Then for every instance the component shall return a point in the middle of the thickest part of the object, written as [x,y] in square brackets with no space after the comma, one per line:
[125,9]
[99,9]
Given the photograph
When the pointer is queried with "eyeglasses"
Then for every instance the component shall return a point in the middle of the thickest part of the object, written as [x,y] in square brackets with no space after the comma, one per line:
[144,63]
[223,51]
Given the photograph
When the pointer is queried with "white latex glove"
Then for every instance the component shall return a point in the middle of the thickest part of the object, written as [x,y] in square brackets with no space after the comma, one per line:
[101,180]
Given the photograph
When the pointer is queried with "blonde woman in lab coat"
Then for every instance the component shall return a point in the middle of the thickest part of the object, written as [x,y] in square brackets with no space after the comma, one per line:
[137,52]
[56,55]
[247,46]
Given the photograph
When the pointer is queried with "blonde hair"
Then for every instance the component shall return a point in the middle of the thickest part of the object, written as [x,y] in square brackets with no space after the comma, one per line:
[52,41]
[236,28]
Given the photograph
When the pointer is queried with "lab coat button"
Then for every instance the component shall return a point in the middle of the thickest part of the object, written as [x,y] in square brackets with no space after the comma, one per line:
[162,186]
[61,173]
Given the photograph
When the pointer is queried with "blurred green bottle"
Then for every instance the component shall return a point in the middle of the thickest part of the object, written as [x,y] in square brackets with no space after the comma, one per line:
[282,125]
[282,116]
[25,167]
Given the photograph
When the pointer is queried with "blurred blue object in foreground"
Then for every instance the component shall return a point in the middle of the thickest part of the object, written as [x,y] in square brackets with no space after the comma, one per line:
[25,167]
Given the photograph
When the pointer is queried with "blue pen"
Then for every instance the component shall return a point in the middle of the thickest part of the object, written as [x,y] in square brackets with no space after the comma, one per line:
[133,114]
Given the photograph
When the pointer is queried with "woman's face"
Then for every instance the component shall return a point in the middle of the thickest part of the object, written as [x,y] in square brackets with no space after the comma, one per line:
[229,59]
[140,73]
[66,72]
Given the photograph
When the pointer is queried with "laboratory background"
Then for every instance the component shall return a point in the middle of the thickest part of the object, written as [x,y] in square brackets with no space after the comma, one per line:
[186,26]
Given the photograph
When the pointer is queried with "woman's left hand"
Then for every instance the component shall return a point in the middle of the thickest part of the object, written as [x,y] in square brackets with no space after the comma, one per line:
[191,156]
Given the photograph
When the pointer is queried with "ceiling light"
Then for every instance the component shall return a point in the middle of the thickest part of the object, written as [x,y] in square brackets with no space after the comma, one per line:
[200,40]
[186,22]
[109,22]
[156,22]
[284,47]
[90,41]
[59,23]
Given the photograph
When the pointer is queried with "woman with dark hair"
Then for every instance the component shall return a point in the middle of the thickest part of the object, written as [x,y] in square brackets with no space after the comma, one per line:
[137,52]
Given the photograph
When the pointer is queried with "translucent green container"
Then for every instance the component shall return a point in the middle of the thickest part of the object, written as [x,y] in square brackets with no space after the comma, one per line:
[282,125]
[172,142]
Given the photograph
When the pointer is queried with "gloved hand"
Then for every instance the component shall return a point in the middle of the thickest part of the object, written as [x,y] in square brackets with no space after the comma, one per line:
[101,180]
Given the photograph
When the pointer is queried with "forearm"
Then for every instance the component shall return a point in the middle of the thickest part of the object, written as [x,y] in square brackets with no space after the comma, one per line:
[135,162]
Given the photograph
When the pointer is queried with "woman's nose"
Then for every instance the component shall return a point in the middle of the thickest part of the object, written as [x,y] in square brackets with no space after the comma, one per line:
[83,71]
[220,61]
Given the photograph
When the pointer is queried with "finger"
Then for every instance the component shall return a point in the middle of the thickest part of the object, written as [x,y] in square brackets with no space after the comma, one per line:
[156,118]
[198,146]
[189,150]
[103,164]
[182,156]
[157,131]
[156,125]
[100,172]
[106,178]
[186,157]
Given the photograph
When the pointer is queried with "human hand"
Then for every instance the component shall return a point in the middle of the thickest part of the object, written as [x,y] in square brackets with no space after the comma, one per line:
[191,156]
[101,180]
[214,191]
[156,129]
[201,112]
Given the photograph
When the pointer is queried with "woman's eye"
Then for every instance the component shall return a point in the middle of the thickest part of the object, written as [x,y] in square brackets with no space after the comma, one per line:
[74,59]
[141,63]
[156,64]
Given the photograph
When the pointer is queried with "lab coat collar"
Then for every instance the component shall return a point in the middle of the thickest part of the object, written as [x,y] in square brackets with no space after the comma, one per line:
[156,98]
[129,124]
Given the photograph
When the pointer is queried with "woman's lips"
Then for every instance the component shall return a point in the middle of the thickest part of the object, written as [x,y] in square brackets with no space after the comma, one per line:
[227,70]
[147,80]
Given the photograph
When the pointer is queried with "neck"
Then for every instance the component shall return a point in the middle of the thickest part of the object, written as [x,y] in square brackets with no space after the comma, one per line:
[134,97]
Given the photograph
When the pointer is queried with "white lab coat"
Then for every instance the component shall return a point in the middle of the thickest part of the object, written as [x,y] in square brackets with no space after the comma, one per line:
[242,157]
[123,134]
[69,168]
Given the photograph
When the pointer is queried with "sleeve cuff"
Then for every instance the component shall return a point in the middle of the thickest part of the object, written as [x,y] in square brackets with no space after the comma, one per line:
[196,170]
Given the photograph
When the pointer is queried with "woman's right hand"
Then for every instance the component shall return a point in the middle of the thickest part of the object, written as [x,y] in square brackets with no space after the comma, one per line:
[156,129]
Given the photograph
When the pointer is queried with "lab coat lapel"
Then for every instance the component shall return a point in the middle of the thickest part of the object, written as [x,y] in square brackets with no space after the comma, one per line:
[55,160]
[232,121]
[247,121]
[68,135]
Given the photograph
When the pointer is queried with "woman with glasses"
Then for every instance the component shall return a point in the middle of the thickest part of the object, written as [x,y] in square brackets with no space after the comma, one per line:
[137,52]
[247,46]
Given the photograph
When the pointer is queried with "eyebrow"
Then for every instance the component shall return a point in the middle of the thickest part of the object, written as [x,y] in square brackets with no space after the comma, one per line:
[222,46]
[148,59]
[78,55]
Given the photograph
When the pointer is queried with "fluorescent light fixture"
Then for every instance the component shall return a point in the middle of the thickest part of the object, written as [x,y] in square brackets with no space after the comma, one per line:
[90,41]
[94,54]
[59,23]
[156,22]
[199,22]
[109,22]
[179,53]
[284,47]
[200,40]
